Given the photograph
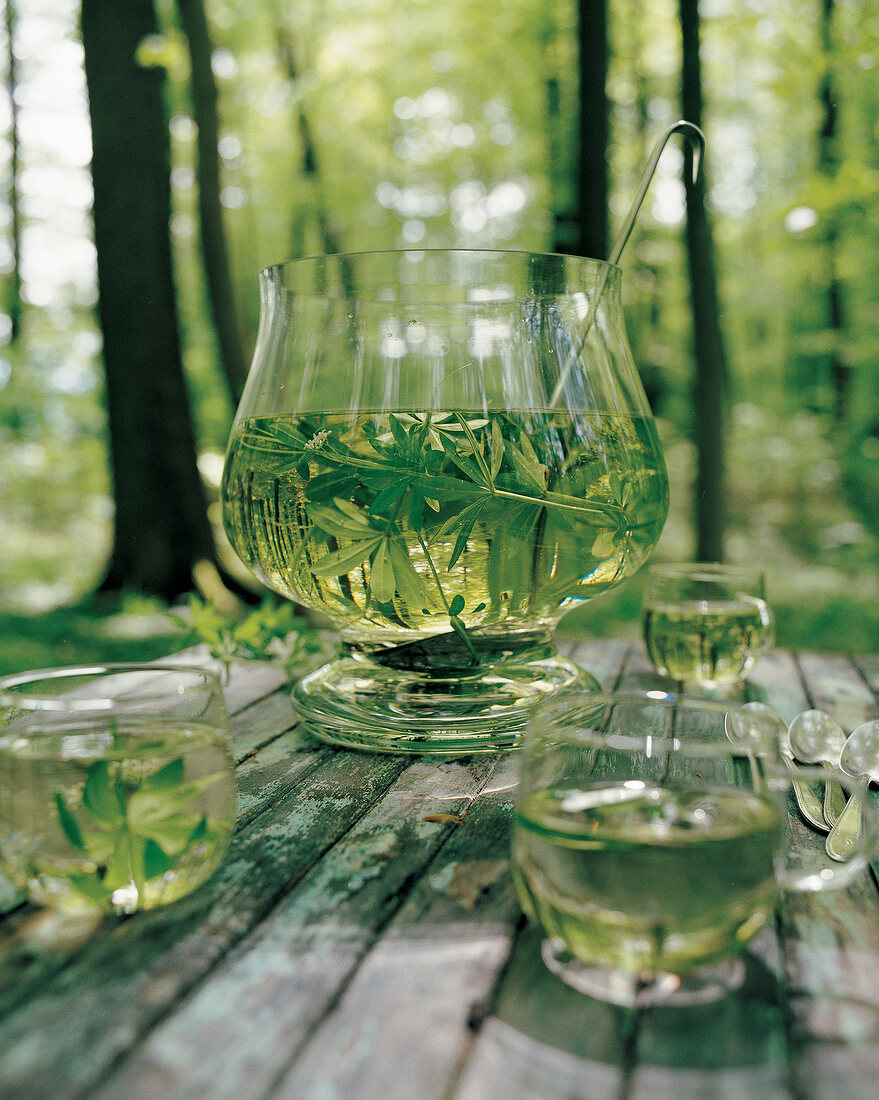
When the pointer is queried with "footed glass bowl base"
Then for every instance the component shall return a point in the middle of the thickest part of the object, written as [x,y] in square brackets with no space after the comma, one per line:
[448,709]
[701,986]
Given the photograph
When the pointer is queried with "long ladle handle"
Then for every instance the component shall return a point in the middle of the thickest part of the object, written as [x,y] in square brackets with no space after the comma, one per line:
[697,138]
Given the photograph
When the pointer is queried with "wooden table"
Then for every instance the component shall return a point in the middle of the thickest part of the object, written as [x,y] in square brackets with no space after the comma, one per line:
[362,940]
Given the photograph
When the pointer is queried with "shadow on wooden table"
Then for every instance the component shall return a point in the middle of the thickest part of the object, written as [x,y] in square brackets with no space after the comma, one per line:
[545,1039]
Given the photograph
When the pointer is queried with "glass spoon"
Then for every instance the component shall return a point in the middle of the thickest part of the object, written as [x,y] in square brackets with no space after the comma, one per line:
[860,759]
[756,724]
[816,738]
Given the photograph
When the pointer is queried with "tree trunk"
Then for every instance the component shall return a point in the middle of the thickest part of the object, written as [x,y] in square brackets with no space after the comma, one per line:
[594,128]
[161,528]
[711,388]
[215,254]
[310,167]
[14,307]
[560,146]
[828,162]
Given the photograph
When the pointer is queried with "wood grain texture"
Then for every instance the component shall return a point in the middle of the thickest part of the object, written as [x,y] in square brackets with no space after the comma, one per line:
[363,939]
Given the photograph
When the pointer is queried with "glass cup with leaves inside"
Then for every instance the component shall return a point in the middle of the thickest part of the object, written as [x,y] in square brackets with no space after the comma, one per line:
[117,784]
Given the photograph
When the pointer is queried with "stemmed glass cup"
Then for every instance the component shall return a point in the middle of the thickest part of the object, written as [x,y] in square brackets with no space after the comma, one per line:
[442,452]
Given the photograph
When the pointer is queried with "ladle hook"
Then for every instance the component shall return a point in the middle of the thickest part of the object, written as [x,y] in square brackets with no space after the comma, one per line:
[697,139]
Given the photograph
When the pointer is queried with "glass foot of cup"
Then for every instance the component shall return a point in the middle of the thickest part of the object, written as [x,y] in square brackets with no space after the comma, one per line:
[356,702]
[604,983]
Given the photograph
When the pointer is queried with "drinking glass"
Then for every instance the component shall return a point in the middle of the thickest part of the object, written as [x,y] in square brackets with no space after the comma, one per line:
[117,784]
[442,452]
[652,836]
[703,622]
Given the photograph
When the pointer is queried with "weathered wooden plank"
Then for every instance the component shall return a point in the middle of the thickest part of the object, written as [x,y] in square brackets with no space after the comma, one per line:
[262,1004]
[544,1039]
[836,686]
[775,679]
[509,1064]
[267,775]
[831,946]
[603,657]
[828,941]
[868,665]
[245,682]
[64,1039]
[261,721]
[736,1046]
[547,1040]
[311,963]
[400,1028]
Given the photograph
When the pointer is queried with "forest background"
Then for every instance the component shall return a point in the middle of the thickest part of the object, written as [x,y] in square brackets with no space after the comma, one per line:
[342,125]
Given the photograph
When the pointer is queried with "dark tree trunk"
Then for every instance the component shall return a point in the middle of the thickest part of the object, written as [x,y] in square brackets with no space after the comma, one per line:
[828,162]
[592,139]
[161,527]
[711,388]
[213,238]
[310,167]
[14,307]
[560,146]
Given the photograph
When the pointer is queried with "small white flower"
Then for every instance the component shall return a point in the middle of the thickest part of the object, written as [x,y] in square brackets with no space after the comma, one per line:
[317,440]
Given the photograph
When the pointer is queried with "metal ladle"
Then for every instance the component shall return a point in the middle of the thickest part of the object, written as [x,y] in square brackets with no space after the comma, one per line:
[697,140]
[816,738]
[860,759]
